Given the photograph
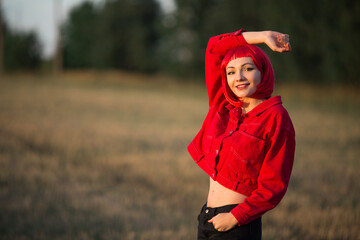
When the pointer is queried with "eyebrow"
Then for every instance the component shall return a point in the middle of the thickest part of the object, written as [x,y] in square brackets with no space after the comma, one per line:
[241,65]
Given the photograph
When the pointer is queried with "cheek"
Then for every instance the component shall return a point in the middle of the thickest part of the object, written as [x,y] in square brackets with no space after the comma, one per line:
[228,80]
[257,79]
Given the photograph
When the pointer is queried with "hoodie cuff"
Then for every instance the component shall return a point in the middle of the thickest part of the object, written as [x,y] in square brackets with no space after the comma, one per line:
[239,215]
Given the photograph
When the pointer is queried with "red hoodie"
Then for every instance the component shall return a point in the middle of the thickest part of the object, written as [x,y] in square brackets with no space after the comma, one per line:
[251,153]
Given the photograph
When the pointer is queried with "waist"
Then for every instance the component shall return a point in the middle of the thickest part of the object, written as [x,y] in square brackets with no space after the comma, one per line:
[241,182]
[216,210]
[220,196]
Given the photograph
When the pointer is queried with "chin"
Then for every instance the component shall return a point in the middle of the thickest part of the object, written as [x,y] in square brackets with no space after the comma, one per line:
[240,96]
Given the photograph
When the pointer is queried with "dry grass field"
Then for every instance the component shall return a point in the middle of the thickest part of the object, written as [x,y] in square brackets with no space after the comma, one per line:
[103,156]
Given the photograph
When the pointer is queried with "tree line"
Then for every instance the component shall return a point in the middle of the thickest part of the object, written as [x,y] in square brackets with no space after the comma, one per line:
[18,50]
[135,35]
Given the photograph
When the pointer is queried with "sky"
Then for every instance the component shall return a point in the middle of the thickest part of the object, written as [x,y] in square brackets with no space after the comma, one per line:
[38,16]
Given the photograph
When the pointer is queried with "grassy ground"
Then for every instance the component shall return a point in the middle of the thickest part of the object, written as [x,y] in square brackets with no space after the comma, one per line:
[103,156]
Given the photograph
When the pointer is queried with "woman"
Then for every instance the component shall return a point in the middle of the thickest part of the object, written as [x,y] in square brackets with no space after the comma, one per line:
[247,141]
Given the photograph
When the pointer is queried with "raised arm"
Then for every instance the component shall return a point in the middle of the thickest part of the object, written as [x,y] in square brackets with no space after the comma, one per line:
[218,47]
[276,41]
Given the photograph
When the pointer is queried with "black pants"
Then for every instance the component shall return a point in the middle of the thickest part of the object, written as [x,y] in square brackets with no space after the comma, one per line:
[206,230]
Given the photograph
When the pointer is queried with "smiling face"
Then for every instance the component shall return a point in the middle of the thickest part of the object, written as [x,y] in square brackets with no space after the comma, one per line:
[243,77]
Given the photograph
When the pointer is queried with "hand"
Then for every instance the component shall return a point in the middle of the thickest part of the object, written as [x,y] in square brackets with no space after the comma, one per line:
[278,42]
[223,222]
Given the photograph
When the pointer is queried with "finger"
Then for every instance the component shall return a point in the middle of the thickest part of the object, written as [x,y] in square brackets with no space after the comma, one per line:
[278,49]
[289,47]
[287,39]
[281,50]
[284,38]
[285,45]
[285,49]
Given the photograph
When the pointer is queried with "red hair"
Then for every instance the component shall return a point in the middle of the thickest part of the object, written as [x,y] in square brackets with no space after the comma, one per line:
[261,61]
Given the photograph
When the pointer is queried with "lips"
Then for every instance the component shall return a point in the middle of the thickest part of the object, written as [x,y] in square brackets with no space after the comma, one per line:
[242,86]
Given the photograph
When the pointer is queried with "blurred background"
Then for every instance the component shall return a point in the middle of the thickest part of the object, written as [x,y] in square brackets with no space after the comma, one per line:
[99,99]
[170,36]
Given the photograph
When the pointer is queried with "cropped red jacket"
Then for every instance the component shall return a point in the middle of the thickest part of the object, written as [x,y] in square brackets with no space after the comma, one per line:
[251,153]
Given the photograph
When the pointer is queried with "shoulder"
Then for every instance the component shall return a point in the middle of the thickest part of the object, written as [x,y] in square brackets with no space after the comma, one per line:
[279,110]
[279,118]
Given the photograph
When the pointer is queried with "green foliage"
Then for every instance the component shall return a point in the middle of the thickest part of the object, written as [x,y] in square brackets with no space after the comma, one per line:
[121,34]
[22,50]
[183,49]
[324,34]
[80,36]
[134,35]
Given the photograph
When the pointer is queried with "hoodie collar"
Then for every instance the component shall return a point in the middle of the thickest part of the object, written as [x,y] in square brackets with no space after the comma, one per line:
[256,111]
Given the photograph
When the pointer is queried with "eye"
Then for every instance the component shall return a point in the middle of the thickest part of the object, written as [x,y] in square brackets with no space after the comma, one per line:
[248,69]
[230,72]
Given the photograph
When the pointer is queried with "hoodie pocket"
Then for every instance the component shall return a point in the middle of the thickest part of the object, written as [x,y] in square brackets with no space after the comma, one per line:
[247,153]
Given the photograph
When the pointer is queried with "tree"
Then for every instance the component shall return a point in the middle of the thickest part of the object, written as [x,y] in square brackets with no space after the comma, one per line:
[80,37]
[1,40]
[122,34]
[183,44]
[18,50]
[58,53]
[22,50]
[324,34]
[133,35]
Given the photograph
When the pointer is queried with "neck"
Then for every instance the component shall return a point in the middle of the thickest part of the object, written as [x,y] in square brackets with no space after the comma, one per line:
[250,103]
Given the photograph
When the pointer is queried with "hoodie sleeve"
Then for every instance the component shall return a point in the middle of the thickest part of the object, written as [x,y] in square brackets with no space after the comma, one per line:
[216,49]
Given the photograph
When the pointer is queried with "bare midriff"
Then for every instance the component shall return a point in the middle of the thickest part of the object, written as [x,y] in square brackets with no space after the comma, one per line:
[221,196]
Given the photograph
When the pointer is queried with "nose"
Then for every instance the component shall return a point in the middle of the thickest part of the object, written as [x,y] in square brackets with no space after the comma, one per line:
[239,76]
